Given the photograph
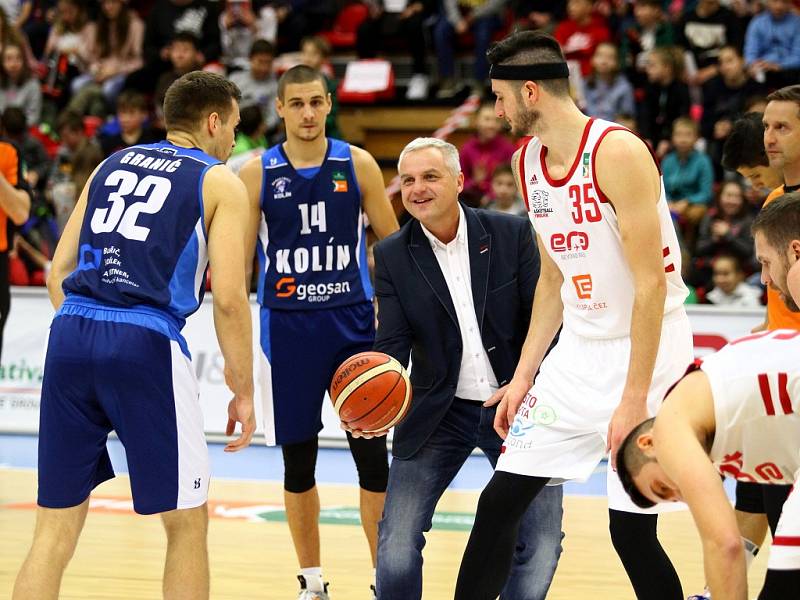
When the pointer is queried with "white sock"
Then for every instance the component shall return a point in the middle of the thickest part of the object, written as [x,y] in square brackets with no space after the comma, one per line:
[313,577]
[750,551]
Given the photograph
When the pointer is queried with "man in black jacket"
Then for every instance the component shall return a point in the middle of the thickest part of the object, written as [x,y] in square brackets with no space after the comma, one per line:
[455,288]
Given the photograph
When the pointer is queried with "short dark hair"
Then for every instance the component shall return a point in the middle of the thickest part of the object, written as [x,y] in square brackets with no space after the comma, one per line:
[300,74]
[187,37]
[737,263]
[320,43]
[503,169]
[131,100]
[251,118]
[686,122]
[790,93]
[262,47]
[192,97]
[630,460]
[779,221]
[654,3]
[70,120]
[13,121]
[531,48]
[744,146]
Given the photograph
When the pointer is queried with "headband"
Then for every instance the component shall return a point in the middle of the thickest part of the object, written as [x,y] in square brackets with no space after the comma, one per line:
[536,72]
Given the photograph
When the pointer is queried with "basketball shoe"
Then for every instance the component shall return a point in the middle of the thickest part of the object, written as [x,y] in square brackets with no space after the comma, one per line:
[306,594]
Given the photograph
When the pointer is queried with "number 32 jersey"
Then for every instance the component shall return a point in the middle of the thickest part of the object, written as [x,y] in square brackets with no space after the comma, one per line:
[143,239]
[755,384]
[578,227]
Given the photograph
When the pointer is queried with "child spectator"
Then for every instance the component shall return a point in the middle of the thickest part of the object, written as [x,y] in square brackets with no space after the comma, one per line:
[703,32]
[505,197]
[481,154]
[112,49]
[730,288]
[581,32]
[688,177]
[18,86]
[240,26]
[725,230]
[772,45]
[14,127]
[251,130]
[258,84]
[62,50]
[539,14]
[132,115]
[607,92]
[650,29]
[315,52]
[665,99]
[183,56]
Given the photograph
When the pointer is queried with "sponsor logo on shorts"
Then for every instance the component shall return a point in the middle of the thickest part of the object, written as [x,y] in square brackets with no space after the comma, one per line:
[286,287]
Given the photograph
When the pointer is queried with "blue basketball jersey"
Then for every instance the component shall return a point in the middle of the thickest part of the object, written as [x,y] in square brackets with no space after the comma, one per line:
[143,239]
[312,247]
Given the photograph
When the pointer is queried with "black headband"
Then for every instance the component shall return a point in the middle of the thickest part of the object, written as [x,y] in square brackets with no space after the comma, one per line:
[557,70]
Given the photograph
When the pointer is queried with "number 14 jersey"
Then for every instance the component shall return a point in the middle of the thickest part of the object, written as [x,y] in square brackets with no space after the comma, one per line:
[143,237]
[579,229]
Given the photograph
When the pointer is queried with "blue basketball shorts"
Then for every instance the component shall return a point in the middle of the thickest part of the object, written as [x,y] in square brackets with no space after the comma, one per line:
[300,350]
[127,371]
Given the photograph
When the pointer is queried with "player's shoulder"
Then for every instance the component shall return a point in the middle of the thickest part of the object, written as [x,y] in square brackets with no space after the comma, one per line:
[361,158]
[220,181]
[619,144]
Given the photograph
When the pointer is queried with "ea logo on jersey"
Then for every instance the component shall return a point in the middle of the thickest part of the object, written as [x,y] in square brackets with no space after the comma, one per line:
[540,203]
[279,188]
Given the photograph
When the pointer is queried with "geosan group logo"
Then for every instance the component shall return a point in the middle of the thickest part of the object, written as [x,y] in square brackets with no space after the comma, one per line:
[287,287]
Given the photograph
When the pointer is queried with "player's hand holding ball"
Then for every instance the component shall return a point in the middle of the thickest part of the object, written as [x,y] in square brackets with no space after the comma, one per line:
[371,393]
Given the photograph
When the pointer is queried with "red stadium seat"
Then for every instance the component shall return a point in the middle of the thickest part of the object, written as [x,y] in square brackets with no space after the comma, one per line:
[343,34]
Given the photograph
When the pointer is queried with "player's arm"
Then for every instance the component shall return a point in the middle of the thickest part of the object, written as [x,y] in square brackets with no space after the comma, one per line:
[252,176]
[546,316]
[686,418]
[66,255]
[15,202]
[373,194]
[634,192]
[232,320]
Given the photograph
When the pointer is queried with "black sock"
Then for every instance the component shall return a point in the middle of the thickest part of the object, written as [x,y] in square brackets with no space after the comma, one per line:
[780,585]
[648,567]
[487,558]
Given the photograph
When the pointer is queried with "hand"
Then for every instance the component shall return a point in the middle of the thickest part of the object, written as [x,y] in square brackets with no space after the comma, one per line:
[462,26]
[678,206]
[411,10]
[508,399]
[357,433]
[722,129]
[628,415]
[164,53]
[662,148]
[760,327]
[720,229]
[240,410]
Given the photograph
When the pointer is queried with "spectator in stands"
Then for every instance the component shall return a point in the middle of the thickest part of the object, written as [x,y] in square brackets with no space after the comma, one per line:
[650,29]
[62,50]
[724,98]
[505,195]
[688,178]
[665,99]
[607,92]
[251,131]
[258,84]
[14,127]
[166,20]
[315,52]
[482,18]
[112,49]
[730,288]
[703,32]
[240,25]
[18,86]
[301,18]
[132,115]
[772,44]
[725,229]
[581,32]
[28,265]
[400,21]
[37,26]
[183,58]
[482,153]
[77,157]
[17,11]
[539,14]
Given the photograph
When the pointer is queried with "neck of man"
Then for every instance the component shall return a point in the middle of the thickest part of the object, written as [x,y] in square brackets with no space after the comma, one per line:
[185,139]
[561,132]
[445,230]
[306,153]
[791,174]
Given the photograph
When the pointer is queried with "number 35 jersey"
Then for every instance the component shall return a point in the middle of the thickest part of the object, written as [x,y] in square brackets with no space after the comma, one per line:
[143,237]
[311,242]
[578,227]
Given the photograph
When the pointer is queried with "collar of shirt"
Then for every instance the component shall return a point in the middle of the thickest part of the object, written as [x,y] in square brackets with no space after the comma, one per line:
[461,233]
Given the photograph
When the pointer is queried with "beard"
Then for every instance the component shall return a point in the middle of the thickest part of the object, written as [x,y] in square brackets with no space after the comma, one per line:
[783,289]
[525,123]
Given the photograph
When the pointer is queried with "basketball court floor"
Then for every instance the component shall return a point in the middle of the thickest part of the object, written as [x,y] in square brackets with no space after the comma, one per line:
[120,554]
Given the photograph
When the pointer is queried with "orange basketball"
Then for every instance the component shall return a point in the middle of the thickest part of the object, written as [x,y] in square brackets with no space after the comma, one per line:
[371,392]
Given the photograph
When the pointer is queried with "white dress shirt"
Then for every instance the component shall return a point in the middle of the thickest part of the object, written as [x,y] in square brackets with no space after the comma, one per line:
[476,379]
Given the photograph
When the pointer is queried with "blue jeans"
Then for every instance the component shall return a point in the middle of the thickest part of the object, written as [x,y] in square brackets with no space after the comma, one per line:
[417,483]
[444,41]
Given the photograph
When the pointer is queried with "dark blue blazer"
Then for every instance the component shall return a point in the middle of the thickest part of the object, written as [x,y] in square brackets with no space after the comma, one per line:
[416,315]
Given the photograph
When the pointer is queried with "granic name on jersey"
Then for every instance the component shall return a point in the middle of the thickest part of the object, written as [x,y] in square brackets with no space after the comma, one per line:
[137,159]
[316,258]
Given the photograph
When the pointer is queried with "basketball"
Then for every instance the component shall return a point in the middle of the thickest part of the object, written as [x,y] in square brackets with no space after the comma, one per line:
[371,392]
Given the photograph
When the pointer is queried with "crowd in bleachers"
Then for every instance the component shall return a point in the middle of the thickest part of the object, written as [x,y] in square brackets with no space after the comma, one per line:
[80,79]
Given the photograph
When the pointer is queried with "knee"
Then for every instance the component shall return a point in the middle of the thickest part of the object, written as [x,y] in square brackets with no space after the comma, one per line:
[372,463]
[631,530]
[299,464]
[58,548]
[189,522]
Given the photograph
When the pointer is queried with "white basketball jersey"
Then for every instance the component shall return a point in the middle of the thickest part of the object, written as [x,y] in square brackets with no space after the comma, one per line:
[578,227]
[755,382]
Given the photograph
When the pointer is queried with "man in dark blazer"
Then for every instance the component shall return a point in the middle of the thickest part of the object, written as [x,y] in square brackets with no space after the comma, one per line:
[455,288]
